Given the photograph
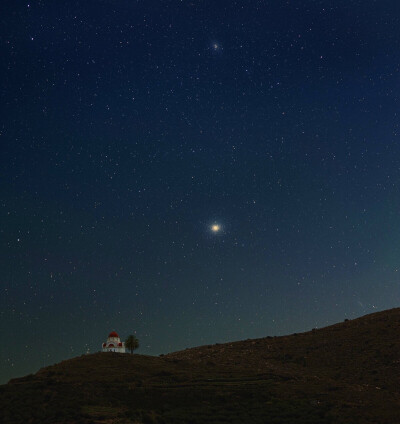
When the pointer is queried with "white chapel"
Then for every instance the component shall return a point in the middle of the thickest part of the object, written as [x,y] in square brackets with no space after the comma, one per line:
[113,344]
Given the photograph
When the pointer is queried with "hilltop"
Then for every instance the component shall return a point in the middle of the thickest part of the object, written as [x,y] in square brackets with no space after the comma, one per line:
[345,373]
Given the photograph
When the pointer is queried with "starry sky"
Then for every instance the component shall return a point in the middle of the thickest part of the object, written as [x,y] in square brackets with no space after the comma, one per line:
[194,172]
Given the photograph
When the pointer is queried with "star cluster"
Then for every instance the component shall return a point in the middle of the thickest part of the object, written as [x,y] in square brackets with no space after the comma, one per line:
[194,172]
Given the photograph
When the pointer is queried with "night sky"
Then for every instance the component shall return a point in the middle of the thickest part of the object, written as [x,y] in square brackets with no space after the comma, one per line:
[194,172]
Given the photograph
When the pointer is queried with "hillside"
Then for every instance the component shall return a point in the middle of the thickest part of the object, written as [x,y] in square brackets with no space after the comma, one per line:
[345,373]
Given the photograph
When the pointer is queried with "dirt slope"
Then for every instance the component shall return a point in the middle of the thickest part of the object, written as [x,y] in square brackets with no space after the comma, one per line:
[345,373]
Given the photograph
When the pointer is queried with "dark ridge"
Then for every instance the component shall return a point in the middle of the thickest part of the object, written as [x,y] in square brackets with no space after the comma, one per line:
[344,373]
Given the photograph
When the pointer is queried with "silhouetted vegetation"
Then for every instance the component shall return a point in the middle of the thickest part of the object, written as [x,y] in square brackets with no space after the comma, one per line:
[132,343]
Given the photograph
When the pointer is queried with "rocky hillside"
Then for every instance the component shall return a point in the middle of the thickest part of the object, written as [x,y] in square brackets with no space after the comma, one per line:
[345,373]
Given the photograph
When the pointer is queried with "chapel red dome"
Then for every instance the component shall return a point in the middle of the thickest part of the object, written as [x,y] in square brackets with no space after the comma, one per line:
[113,334]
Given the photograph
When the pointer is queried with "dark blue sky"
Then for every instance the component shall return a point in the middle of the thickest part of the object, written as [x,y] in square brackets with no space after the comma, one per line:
[128,128]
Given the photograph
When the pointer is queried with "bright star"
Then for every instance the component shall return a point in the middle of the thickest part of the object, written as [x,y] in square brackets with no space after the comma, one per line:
[215,228]
[216,47]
